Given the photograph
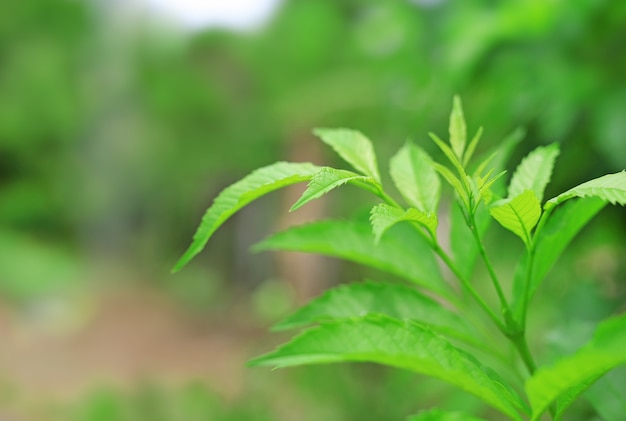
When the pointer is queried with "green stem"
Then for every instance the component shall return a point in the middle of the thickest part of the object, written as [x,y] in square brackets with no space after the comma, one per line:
[448,261]
[494,278]
[529,266]
[388,199]
[527,280]
[521,345]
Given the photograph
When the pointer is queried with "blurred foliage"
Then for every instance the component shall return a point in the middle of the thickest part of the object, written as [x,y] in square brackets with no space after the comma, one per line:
[41,49]
[208,107]
[332,393]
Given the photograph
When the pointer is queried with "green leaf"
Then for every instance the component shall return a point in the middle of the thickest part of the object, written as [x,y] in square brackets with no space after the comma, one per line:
[469,152]
[534,172]
[353,147]
[454,182]
[485,186]
[402,344]
[363,298]
[462,244]
[570,376]
[454,160]
[458,131]
[608,395]
[415,178]
[519,215]
[610,187]
[259,183]
[499,157]
[551,241]
[439,415]
[403,251]
[327,179]
[383,217]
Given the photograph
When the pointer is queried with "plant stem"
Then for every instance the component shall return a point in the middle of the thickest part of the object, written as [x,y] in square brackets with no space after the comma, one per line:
[448,261]
[529,266]
[389,200]
[521,345]
[494,278]
[527,280]
[515,331]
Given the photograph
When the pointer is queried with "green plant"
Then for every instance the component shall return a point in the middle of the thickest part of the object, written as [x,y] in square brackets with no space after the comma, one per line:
[439,328]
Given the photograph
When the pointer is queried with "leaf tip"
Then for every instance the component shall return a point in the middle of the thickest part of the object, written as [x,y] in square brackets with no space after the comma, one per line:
[184,259]
[296,206]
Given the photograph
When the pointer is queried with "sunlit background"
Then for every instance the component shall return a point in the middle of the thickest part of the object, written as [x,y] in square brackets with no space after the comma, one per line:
[121,120]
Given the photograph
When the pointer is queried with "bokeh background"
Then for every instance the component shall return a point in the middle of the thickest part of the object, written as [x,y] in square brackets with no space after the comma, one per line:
[121,120]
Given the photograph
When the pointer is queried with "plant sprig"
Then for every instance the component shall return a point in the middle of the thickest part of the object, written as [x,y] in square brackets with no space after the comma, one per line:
[423,328]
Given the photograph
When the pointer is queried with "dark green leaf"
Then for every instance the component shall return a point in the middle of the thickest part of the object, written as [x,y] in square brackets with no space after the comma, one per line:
[608,395]
[403,251]
[402,344]
[359,299]
[439,415]
[260,182]
[570,376]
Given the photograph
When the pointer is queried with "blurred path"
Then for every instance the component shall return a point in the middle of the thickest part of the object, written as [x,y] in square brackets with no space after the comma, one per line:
[133,335]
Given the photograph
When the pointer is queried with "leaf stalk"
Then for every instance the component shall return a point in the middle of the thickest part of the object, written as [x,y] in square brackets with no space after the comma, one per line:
[492,274]
[465,283]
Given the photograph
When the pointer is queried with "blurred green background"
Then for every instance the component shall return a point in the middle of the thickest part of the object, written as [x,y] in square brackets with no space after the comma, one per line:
[118,128]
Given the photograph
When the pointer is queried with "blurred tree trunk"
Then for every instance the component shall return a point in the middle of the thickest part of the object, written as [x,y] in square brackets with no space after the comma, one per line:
[308,274]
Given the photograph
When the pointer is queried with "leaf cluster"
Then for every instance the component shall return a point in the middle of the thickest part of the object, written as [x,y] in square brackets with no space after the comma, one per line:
[430,327]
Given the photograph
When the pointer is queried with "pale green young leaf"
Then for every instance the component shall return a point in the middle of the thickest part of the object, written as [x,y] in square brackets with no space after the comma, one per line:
[567,378]
[534,172]
[415,178]
[440,415]
[454,160]
[550,242]
[327,179]
[454,182]
[363,298]
[469,152]
[483,165]
[610,187]
[519,214]
[383,217]
[462,243]
[403,251]
[402,344]
[485,189]
[353,147]
[260,182]
[498,157]
[458,130]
